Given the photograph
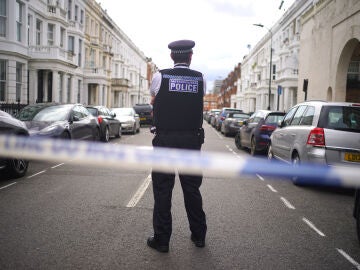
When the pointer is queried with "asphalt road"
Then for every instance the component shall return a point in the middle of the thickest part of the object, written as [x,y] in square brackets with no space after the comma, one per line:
[62,216]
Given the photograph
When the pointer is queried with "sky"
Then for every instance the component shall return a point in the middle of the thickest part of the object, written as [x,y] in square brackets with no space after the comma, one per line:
[222,29]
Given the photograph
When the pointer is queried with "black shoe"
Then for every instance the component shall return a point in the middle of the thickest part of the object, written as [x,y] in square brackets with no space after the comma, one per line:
[153,243]
[198,242]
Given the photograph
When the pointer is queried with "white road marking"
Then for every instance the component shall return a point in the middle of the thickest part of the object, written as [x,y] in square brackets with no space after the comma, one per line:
[260,177]
[287,203]
[351,260]
[53,167]
[271,188]
[8,185]
[36,174]
[312,226]
[140,192]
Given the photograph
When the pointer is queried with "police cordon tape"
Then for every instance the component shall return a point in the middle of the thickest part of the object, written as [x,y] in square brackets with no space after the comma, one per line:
[214,164]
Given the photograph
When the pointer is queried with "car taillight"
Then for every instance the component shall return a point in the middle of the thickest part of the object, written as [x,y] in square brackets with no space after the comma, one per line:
[267,128]
[100,119]
[316,137]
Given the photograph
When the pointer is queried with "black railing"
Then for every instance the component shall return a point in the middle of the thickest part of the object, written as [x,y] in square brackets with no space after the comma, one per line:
[12,108]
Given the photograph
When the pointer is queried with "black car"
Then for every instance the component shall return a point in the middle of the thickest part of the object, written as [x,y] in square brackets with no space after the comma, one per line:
[15,168]
[145,113]
[109,125]
[232,123]
[66,121]
[256,131]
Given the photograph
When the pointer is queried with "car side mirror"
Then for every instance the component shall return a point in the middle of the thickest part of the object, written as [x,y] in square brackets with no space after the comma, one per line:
[280,123]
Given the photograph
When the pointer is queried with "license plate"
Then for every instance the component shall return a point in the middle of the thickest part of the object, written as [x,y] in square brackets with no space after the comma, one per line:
[352,157]
[142,118]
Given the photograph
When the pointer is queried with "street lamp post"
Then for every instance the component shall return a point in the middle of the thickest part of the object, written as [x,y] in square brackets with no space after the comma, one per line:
[261,25]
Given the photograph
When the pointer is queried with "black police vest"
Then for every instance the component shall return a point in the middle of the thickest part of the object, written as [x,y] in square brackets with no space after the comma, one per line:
[179,103]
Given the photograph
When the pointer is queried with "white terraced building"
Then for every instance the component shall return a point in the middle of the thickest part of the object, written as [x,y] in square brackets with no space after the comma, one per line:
[68,51]
[315,44]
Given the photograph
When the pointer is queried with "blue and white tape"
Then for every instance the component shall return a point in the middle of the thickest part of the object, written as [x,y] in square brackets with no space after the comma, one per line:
[167,160]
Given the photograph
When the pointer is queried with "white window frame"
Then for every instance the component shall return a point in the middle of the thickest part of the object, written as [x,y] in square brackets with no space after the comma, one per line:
[51,34]
[38,32]
[19,20]
[19,80]
[3,75]
[3,18]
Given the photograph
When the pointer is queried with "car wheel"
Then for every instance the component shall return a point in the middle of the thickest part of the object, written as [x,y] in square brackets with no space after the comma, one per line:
[296,162]
[17,167]
[133,130]
[65,136]
[270,154]
[238,141]
[253,150]
[97,134]
[106,136]
[119,133]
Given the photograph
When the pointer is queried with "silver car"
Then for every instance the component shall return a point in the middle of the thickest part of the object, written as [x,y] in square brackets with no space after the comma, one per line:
[130,120]
[318,132]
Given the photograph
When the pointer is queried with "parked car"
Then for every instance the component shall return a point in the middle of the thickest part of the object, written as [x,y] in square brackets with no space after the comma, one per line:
[213,118]
[109,125]
[256,131]
[318,132]
[66,121]
[221,117]
[145,113]
[211,114]
[14,167]
[232,123]
[130,121]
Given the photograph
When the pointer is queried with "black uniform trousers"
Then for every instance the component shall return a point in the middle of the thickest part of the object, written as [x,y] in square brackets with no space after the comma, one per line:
[163,184]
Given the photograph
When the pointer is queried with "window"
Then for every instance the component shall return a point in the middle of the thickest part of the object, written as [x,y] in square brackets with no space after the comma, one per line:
[51,28]
[308,116]
[61,77]
[62,37]
[69,9]
[3,18]
[19,67]
[79,90]
[71,45]
[81,16]
[38,32]
[298,115]
[29,31]
[68,90]
[76,13]
[79,54]
[288,117]
[2,79]
[19,20]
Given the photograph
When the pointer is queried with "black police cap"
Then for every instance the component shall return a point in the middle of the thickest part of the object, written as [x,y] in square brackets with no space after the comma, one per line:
[181,46]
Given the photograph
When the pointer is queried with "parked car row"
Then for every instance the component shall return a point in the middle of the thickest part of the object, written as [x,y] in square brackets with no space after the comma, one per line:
[65,121]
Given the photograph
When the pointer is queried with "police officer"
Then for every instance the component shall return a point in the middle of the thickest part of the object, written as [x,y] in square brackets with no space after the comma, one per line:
[177,98]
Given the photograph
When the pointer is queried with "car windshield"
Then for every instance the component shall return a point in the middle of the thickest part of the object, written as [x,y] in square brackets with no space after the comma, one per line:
[274,118]
[124,111]
[48,114]
[93,111]
[340,117]
[239,116]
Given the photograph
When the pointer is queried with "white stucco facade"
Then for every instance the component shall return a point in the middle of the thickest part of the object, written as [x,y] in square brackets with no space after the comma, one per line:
[67,51]
[313,40]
